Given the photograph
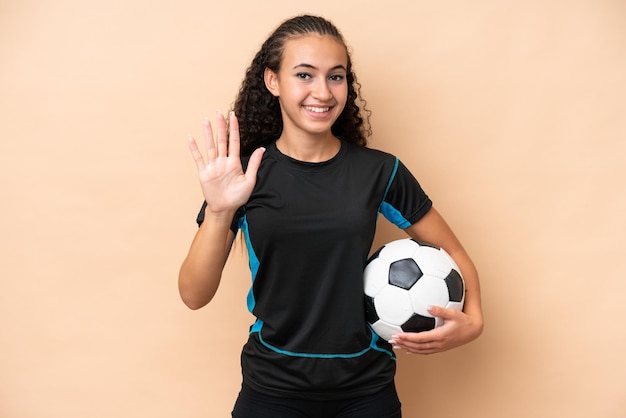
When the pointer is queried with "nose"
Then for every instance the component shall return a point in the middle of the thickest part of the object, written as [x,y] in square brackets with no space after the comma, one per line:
[321,90]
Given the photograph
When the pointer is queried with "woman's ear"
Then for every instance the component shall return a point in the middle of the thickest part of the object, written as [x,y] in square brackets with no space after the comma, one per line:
[271,81]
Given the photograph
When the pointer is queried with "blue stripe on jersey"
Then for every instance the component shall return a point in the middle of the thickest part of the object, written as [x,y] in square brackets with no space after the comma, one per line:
[258,325]
[392,214]
[253,261]
[375,346]
[393,176]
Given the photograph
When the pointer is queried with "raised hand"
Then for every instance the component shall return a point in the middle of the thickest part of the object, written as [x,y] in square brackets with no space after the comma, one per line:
[224,184]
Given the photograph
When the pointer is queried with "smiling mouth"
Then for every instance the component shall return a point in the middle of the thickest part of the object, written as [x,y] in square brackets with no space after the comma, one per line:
[316,109]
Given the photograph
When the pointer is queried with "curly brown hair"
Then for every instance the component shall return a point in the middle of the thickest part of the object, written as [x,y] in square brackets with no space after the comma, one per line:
[258,111]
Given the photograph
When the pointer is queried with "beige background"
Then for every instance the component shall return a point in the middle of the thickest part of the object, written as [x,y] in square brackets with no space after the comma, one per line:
[511,114]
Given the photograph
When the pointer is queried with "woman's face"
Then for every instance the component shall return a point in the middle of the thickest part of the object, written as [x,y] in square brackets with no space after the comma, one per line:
[311,84]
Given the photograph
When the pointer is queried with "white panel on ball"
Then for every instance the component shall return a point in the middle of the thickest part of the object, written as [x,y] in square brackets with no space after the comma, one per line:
[377,271]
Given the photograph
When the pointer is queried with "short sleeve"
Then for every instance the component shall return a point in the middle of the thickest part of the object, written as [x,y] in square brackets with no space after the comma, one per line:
[405,202]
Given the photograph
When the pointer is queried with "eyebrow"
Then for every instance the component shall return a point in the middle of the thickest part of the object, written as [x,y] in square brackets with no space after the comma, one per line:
[336,67]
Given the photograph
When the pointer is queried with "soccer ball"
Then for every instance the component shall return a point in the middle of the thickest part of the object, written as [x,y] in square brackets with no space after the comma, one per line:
[402,279]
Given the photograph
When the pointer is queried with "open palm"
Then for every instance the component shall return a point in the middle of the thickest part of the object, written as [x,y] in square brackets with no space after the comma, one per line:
[224,184]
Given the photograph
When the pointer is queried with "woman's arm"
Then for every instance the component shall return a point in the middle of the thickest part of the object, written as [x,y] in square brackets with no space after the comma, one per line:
[201,271]
[226,188]
[459,327]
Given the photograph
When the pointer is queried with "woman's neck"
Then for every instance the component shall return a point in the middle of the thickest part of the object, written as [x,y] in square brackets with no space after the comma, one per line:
[309,149]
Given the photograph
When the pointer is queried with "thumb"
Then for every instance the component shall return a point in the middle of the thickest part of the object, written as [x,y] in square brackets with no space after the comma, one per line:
[440,312]
[254,162]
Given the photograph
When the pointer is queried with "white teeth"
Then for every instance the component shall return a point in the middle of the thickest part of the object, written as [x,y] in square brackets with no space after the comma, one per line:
[317,109]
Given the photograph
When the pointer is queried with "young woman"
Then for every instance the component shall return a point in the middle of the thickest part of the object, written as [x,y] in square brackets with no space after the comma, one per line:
[291,171]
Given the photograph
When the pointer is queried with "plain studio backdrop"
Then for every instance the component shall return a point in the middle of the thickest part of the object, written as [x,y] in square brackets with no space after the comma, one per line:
[511,114]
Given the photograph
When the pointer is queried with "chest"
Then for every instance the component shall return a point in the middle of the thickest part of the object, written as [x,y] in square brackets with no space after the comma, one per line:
[322,205]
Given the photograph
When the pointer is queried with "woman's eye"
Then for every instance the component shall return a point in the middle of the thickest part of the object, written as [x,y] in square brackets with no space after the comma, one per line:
[303,76]
[336,77]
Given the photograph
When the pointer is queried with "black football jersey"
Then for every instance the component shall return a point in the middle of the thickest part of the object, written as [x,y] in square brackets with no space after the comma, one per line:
[308,229]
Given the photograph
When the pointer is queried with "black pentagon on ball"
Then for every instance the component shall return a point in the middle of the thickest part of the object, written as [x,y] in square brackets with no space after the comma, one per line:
[370,310]
[404,273]
[456,289]
[418,323]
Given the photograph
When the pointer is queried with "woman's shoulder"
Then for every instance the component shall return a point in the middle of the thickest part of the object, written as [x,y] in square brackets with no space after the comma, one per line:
[369,153]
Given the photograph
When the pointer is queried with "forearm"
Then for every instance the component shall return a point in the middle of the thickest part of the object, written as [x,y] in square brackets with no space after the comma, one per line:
[434,229]
[472,305]
[201,271]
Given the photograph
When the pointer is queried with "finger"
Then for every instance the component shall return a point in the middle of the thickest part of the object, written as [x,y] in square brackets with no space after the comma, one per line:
[233,136]
[423,347]
[416,340]
[440,312]
[195,152]
[425,350]
[209,143]
[222,140]
[254,163]
[411,348]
